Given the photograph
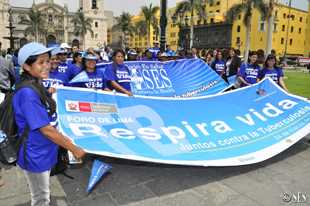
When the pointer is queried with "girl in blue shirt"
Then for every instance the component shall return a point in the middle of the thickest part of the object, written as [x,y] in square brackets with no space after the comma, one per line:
[96,78]
[271,70]
[249,71]
[76,64]
[118,75]
[38,154]
[56,78]
[219,64]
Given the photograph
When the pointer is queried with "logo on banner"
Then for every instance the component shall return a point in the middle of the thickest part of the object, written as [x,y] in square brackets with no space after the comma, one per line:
[76,106]
[150,77]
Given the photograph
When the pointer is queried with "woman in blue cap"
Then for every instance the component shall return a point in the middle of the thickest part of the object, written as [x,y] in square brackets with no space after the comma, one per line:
[118,75]
[95,77]
[38,154]
[56,77]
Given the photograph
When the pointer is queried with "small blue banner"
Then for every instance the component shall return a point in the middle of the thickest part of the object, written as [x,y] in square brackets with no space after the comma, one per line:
[98,170]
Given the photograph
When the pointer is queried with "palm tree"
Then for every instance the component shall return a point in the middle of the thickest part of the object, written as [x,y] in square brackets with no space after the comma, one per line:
[141,28]
[270,18]
[247,7]
[82,25]
[35,23]
[192,7]
[124,24]
[150,19]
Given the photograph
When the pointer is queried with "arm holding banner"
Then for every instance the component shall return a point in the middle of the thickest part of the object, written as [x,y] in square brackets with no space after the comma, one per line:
[282,84]
[119,88]
[51,133]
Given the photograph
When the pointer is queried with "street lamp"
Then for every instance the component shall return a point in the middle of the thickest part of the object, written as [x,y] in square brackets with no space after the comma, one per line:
[11,28]
[163,24]
[288,27]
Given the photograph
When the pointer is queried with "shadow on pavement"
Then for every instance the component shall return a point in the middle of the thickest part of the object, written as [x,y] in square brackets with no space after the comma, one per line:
[132,181]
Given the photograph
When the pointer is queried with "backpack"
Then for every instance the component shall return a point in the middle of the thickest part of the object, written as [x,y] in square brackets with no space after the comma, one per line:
[10,142]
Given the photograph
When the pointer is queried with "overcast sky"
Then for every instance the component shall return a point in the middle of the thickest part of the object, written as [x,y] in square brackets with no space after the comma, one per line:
[132,6]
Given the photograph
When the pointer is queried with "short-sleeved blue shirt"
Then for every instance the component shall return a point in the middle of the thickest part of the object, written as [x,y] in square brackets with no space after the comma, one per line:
[56,78]
[219,66]
[41,152]
[96,80]
[249,72]
[71,70]
[120,74]
[274,74]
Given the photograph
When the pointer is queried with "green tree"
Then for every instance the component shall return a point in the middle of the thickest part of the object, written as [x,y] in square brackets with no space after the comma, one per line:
[35,23]
[124,24]
[141,28]
[82,25]
[247,8]
[150,19]
[192,7]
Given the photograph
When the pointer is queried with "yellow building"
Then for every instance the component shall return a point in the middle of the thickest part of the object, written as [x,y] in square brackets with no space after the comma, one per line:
[172,34]
[140,41]
[307,47]
[288,34]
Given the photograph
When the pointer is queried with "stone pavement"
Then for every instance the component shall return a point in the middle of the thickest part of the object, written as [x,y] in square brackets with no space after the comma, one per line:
[144,184]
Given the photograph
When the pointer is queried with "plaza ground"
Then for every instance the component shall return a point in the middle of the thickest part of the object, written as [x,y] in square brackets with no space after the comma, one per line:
[144,184]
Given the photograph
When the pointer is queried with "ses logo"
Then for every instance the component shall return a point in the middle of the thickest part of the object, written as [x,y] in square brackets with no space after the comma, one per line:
[76,106]
[149,77]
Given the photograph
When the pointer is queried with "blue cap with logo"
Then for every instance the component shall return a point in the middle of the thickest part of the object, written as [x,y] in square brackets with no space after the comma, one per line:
[90,57]
[31,49]
[132,52]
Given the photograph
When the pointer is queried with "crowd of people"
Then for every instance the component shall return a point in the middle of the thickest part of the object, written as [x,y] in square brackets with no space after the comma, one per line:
[47,68]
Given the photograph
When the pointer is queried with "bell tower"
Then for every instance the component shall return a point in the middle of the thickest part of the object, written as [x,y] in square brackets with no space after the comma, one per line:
[4,21]
[94,9]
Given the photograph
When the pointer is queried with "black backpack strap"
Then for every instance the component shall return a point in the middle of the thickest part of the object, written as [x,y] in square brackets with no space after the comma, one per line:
[22,140]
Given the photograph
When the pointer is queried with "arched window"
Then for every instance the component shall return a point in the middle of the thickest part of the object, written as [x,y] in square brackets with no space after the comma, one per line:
[50,18]
[94,4]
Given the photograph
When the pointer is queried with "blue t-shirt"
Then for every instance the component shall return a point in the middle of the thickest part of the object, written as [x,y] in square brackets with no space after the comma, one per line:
[219,66]
[120,74]
[249,72]
[96,80]
[274,74]
[56,78]
[154,51]
[41,152]
[71,70]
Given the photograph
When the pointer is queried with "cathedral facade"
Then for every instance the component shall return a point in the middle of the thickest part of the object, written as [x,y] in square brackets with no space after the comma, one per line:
[58,25]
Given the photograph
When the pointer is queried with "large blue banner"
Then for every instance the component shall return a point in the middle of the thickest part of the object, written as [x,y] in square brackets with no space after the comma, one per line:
[244,126]
[181,78]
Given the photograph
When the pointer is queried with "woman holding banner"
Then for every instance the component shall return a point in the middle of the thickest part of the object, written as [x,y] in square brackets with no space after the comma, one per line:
[273,71]
[218,65]
[118,74]
[55,77]
[95,78]
[249,71]
[34,118]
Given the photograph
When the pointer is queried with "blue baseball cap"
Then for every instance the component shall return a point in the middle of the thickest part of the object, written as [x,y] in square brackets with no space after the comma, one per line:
[132,52]
[55,51]
[90,57]
[31,49]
